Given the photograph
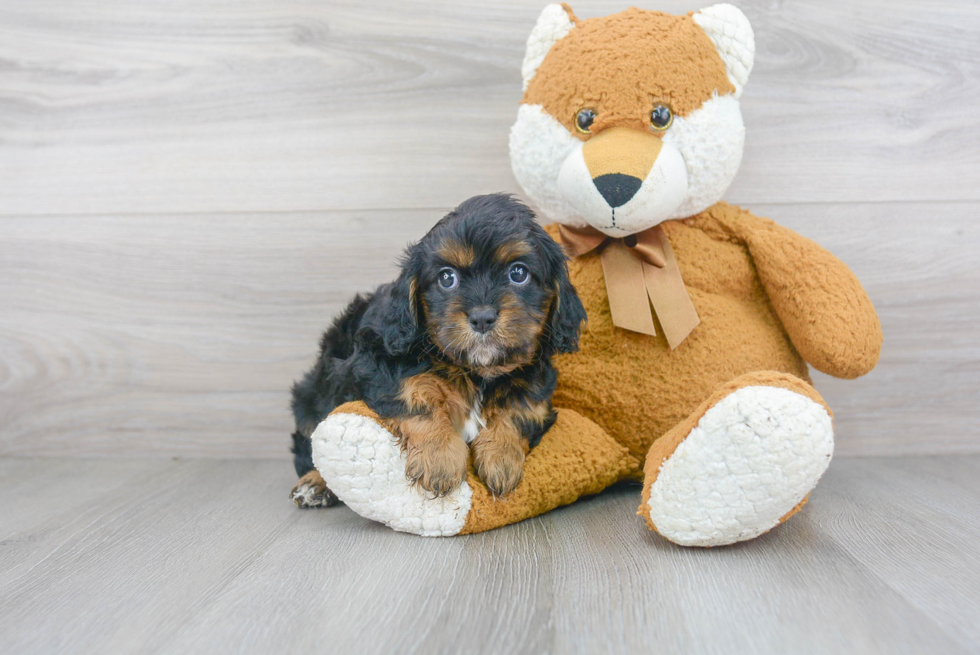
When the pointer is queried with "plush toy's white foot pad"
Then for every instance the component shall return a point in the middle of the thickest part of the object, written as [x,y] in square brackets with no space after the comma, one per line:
[365,467]
[750,460]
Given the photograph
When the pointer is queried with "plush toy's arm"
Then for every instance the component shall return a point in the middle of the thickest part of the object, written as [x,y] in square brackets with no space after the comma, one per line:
[823,306]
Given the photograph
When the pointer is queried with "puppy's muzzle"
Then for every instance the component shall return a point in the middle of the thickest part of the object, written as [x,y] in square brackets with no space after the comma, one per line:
[482,319]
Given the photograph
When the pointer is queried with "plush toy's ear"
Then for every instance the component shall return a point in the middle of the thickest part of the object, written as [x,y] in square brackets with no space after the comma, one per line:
[732,35]
[555,21]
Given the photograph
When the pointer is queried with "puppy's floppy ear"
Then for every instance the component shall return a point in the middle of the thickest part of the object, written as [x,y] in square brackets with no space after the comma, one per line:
[567,313]
[402,325]
[396,318]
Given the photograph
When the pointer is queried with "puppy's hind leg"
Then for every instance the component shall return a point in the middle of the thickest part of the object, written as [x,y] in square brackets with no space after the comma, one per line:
[311,492]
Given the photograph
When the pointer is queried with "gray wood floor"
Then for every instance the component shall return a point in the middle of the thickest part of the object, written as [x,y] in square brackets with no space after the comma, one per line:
[209,556]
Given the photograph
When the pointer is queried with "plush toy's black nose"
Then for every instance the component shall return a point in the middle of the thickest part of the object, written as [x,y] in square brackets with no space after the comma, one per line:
[617,188]
[482,319]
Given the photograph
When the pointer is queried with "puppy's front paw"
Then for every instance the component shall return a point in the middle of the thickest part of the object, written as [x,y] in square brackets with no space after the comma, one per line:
[311,491]
[500,466]
[437,467]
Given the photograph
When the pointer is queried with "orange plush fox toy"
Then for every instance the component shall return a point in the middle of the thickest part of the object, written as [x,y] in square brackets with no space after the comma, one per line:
[692,374]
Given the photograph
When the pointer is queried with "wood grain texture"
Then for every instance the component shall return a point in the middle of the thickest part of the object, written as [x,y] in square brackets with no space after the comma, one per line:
[174,335]
[180,335]
[285,105]
[190,191]
[210,556]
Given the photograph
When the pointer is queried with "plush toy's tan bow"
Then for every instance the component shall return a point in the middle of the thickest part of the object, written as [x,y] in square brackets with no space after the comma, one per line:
[636,267]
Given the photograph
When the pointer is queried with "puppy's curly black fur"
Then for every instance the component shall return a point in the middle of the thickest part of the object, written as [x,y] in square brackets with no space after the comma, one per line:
[467,330]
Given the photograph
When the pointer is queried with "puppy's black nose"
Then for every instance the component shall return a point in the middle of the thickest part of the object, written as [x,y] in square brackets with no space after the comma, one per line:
[617,188]
[482,319]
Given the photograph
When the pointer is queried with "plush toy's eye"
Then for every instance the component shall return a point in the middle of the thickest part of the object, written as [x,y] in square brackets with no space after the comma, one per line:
[448,279]
[660,118]
[519,274]
[584,120]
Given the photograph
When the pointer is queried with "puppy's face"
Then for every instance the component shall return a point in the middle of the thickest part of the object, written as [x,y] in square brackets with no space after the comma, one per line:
[486,300]
[489,287]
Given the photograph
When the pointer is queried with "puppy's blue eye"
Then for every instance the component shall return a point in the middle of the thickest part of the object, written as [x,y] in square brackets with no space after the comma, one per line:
[519,274]
[448,278]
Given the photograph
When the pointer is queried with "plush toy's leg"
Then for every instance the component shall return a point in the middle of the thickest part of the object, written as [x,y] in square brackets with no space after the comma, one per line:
[742,463]
[364,466]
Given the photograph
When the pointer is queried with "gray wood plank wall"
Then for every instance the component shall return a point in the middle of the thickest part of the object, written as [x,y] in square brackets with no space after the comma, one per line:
[190,190]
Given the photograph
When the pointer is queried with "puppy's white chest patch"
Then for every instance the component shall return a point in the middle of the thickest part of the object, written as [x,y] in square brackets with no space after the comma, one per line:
[475,422]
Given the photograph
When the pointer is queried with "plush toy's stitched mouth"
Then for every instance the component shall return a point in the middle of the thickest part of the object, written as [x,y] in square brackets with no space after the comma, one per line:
[612,226]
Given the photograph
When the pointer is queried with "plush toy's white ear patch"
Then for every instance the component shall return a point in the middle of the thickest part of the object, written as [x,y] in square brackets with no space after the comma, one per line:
[731,33]
[553,24]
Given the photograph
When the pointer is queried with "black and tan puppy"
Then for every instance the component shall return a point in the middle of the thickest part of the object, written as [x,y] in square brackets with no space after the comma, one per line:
[456,351]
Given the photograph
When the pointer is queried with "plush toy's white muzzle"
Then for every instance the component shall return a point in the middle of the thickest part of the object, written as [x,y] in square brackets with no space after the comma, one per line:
[621,202]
